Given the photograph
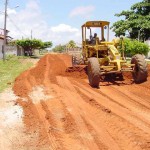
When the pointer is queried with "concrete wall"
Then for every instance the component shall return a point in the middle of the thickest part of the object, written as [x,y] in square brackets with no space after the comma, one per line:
[1,43]
[20,51]
[74,51]
[148,42]
[11,50]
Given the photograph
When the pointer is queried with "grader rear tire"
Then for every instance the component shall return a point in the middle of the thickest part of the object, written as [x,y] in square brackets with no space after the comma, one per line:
[93,72]
[140,72]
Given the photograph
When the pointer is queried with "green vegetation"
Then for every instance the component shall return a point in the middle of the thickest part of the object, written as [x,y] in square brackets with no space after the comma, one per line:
[71,44]
[136,22]
[31,44]
[10,69]
[133,47]
[61,48]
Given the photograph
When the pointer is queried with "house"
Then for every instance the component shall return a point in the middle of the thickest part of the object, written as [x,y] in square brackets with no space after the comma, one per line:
[9,50]
[2,41]
[1,45]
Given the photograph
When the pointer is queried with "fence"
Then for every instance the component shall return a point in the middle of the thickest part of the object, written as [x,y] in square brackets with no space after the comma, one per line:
[73,50]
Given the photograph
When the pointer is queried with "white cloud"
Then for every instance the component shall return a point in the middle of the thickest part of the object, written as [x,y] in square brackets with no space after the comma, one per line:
[64,28]
[84,11]
[30,18]
[64,33]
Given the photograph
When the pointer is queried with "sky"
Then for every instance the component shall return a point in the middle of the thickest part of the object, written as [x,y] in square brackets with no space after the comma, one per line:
[58,21]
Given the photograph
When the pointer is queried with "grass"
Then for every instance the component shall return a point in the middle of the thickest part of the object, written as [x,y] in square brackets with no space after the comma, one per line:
[10,69]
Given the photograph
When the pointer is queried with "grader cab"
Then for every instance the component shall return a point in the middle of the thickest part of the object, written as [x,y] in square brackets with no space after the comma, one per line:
[104,57]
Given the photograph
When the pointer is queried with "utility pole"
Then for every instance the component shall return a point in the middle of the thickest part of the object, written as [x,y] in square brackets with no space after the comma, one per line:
[5,31]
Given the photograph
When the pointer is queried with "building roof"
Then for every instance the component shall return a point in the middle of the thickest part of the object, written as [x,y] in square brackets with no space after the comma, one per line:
[8,37]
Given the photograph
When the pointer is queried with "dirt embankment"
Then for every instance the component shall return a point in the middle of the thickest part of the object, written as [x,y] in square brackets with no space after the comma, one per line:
[66,113]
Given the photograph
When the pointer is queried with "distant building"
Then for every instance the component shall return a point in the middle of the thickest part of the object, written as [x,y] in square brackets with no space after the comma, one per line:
[1,45]
[2,41]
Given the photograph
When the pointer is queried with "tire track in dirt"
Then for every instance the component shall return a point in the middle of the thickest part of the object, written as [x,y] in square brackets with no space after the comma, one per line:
[86,112]
[65,125]
[73,109]
[34,114]
[135,94]
[131,102]
[94,135]
[39,111]
[121,128]
[139,91]
[106,100]
[77,116]
[128,96]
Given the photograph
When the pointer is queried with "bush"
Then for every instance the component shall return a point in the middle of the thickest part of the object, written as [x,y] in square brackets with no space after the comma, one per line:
[133,47]
[59,48]
[10,69]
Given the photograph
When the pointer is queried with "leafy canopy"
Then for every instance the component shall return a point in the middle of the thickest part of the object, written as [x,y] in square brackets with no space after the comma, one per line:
[31,44]
[46,45]
[137,21]
[28,44]
[59,48]
[133,47]
[71,44]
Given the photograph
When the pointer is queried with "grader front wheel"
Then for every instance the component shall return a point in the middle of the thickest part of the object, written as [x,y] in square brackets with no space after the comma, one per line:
[140,72]
[93,72]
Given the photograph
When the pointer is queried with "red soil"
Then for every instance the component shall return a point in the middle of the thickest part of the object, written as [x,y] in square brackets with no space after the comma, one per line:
[116,116]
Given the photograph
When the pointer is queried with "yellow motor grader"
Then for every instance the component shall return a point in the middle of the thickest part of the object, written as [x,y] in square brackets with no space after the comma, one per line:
[104,57]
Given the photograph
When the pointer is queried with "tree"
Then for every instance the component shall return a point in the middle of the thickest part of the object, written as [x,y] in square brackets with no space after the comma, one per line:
[46,45]
[30,44]
[71,44]
[59,48]
[133,47]
[136,22]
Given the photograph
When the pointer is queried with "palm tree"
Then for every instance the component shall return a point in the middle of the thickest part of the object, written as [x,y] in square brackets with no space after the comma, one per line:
[71,44]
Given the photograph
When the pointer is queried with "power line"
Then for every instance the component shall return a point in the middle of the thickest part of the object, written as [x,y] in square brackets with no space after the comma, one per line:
[17,27]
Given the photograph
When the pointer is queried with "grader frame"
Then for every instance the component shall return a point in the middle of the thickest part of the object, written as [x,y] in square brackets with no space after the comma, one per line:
[103,57]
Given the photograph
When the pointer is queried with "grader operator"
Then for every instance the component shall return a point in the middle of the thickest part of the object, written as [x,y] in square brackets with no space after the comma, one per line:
[104,57]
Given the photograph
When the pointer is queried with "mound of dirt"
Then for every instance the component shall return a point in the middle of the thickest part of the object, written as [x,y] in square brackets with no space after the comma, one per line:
[65,112]
[77,72]
[54,65]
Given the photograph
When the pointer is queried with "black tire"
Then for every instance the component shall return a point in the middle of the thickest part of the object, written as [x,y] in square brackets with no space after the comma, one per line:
[140,71]
[93,72]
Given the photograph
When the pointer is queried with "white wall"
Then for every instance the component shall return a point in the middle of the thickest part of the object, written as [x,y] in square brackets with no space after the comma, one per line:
[11,50]
[148,42]
[1,43]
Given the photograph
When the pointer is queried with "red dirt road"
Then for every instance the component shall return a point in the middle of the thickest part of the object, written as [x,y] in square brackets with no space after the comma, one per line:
[68,114]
